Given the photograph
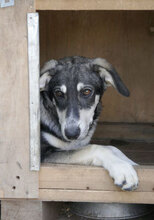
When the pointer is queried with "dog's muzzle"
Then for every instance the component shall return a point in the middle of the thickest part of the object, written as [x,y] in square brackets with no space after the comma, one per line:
[72,133]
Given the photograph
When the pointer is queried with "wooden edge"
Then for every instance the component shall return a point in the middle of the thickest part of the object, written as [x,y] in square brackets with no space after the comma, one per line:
[75,177]
[1,194]
[96,196]
[94,5]
[91,196]
[34,90]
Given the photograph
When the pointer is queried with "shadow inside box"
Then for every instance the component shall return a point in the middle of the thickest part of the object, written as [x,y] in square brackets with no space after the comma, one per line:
[104,211]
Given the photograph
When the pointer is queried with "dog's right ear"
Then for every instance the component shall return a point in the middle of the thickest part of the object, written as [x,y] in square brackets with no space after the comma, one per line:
[110,76]
[46,73]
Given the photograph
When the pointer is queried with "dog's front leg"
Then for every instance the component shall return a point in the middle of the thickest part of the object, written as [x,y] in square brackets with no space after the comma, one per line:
[118,165]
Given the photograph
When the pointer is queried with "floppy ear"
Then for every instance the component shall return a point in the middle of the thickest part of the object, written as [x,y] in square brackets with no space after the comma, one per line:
[109,75]
[46,73]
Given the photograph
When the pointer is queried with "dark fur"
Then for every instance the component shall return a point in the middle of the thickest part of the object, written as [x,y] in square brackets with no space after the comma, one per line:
[70,71]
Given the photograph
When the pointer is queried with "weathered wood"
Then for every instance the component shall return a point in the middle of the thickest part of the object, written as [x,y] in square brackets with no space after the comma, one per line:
[90,178]
[30,210]
[34,98]
[1,194]
[16,180]
[91,184]
[94,5]
[123,38]
[21,210]
[96,196]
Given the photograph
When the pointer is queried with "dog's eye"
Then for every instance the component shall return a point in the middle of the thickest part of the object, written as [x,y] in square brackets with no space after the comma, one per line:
[86,92]
[59,93]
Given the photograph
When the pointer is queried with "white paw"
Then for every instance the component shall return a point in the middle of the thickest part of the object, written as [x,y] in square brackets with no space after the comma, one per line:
[124,175]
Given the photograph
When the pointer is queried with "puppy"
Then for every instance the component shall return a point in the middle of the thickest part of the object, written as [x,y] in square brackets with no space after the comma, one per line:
[70,98]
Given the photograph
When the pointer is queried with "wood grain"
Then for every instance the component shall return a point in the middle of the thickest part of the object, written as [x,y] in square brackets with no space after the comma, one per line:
[30,209]
[89,178]
[94,5]
[21,210]
[96,196]
[16,180]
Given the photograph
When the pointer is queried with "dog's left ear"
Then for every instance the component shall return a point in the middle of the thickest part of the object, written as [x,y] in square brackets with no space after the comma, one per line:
[46,73]
[110,76]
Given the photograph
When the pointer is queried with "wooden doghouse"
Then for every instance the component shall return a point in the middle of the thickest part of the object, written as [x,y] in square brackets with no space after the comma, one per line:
[120,31]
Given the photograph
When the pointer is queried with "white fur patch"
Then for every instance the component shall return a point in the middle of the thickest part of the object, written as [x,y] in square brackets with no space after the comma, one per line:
[73,145]
[63,88]
[62,120]
[54,141]
[48,65]
[103,72]
[108,78]
[44,80]
[45,75]
[86,117]
[80,86]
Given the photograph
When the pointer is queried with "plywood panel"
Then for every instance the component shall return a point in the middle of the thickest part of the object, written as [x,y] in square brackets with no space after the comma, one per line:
[94,5]
[123,38]
[89,178]
[91,184]
[31,210]
[16,181]
[96,196]
[21,210]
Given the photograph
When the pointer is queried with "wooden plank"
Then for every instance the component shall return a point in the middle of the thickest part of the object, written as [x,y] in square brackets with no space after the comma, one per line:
[1,194]
[96,196]
[34,99]
[132,55]
[124,131]
[94,5]
[16,180]
[89,178]
[30,209]
[21,210]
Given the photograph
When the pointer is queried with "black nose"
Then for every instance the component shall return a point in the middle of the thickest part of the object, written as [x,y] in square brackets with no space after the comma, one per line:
[72,132]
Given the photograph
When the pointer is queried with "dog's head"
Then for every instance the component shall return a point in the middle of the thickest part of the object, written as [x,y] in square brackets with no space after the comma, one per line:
[75,86]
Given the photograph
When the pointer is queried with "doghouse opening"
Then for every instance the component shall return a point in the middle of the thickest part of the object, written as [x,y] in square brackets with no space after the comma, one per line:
[125,39]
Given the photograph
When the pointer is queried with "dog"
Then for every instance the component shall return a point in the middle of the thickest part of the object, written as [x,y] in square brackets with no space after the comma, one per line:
[70,103]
